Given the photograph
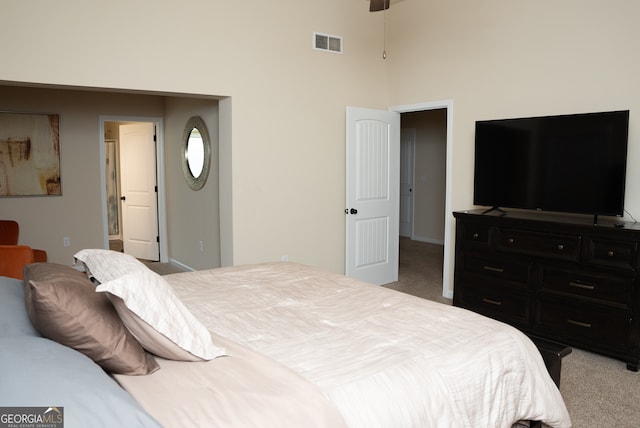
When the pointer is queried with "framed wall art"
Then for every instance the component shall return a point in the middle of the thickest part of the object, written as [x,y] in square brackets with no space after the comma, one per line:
[29,154]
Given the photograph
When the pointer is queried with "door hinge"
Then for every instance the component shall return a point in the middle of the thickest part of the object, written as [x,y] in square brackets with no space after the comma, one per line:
[157,239]
[156,189]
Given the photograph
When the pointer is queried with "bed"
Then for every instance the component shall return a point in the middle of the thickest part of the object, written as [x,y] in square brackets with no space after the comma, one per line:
[295,345]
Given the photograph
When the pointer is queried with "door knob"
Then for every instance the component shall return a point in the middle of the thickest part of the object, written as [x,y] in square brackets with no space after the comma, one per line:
[353,211]
[122,198]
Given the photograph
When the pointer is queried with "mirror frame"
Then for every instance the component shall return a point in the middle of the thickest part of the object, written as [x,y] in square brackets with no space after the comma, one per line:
[196,183]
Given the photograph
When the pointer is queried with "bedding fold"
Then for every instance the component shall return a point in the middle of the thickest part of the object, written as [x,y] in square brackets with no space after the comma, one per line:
[243,389]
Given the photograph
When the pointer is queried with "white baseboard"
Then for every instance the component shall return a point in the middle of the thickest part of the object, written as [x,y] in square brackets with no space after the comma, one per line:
[181,265]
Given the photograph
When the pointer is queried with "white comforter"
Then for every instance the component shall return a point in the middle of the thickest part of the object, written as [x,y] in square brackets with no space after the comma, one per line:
[242,390]
[383,358]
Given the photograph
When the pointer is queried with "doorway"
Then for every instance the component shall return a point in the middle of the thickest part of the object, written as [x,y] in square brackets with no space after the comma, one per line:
[136,225]
[423,150]
[432,219]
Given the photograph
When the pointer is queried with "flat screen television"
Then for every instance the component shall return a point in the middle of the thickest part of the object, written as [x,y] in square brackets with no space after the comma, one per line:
[571,163]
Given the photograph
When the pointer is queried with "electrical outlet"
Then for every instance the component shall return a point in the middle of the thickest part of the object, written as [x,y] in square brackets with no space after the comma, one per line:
[66,241]
[285,258]
[201,246]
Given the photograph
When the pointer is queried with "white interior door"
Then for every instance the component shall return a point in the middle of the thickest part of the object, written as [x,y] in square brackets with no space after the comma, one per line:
[372,176]
[139,195]
[407,150]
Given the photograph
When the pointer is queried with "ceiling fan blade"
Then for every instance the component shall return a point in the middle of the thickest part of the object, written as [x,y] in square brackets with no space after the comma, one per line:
[377,5]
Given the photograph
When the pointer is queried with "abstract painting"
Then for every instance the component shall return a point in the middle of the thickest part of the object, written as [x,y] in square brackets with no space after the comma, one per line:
[113,202]
[29,154]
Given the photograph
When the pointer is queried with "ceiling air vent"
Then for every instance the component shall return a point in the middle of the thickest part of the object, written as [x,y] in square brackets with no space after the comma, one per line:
[327,42]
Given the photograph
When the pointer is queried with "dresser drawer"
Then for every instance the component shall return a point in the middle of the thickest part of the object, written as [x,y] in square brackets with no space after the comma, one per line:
[475,234]
[612,253]
[590,323]
[502,268]
[497,302]
[588,284]
[551,246]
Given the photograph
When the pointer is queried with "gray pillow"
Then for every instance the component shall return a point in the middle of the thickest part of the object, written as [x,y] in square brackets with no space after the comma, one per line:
[63,305]
[14,320]
[40,372]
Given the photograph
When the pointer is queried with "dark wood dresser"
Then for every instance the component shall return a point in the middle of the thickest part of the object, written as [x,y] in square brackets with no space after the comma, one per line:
[555,277]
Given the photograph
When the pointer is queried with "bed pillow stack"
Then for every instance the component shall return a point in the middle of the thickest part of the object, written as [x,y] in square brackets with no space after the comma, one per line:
[63,306]
[36,371]
[148,307]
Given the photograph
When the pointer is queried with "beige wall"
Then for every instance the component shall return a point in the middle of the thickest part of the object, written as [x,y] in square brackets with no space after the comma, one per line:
[502,58]
[283,151]
[77,214]
[192,216]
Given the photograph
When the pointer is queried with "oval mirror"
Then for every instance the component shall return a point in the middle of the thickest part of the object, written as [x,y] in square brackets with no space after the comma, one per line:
[196,153]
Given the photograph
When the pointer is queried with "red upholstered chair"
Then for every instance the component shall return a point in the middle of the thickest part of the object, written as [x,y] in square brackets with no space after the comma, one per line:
[9,232]
[13,259]
[39,255]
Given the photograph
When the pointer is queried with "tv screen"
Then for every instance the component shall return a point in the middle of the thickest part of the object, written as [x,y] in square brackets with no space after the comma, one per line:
[571,163]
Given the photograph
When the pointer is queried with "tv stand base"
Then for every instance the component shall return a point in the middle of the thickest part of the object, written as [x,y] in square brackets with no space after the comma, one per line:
[503,212]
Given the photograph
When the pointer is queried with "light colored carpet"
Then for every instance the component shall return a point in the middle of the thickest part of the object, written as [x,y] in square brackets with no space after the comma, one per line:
[162,268]
[599,391]
[420,270]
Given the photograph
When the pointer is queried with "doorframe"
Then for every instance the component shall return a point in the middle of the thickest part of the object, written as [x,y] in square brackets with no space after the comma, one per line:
[448,262]
[160,180]
[413,171]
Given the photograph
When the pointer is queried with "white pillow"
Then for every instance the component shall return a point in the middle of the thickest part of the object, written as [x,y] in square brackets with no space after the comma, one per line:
[149,308]
[106,265]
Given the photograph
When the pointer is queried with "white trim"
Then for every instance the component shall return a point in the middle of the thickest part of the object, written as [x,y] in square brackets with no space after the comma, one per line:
[448,263]
[413,173]
[181,265]
[160,171]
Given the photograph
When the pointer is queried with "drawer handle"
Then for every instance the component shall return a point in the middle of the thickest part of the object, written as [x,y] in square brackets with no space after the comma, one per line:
[475,236]
[492,302]
[510,241]
[579,284]
[493,269]
[610,253]
[580,324]
[560,247]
